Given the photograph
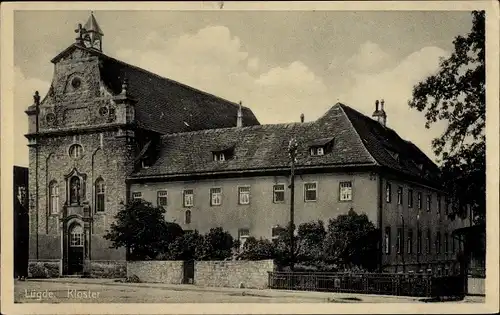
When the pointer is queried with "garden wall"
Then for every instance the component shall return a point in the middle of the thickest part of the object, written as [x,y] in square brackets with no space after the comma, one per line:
[158,271]
[233,274]
[108,268]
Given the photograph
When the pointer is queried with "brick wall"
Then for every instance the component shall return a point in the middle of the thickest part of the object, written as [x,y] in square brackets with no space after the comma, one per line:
[171,272]
[234,274]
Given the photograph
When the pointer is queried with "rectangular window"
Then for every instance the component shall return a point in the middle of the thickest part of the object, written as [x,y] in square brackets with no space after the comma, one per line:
[453,245]
[345,191]
[446,243]
[137,195]
[410,198]
[388,192]
[279,193]
[387,240]
[310,192]
[419,241]
[243,235]
[438,242]
[428,206]
[276,231]
[409,242]
[244,195]
[428,241]
[188,198]
[215,196]
[400,240]
[439,204]
[446,205]
[419,200]
[162,198]
[320,151]
[400,195]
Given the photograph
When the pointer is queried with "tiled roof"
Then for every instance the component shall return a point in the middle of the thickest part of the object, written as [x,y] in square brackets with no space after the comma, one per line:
[357,140]
[164,105]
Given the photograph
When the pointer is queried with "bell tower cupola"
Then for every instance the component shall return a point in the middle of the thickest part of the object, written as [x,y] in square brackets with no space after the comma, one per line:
[90,35]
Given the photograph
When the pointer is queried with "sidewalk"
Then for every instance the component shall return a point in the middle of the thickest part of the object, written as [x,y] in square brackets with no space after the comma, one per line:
[320,297]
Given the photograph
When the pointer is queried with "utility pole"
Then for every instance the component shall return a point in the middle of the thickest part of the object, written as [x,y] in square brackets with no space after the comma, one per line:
[36,98]
[419,240]
[292,151]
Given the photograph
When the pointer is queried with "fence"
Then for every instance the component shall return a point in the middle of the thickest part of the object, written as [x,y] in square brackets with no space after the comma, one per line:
[422,285]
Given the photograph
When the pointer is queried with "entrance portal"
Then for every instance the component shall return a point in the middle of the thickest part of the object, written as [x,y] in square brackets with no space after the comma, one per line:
[75,249]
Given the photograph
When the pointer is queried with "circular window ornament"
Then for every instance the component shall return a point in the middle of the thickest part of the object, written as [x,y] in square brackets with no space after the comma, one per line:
[76,82]
[50,118]
[103,111]
[75,151]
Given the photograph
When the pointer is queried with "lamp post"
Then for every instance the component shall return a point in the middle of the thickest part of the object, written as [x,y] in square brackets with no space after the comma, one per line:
[419,240]
[36,99]
[292,151]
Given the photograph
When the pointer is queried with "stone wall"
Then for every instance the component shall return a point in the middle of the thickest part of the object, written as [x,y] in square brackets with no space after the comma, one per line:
[233,274]
[44,269]
[476,286]
[108,269]
[171,272]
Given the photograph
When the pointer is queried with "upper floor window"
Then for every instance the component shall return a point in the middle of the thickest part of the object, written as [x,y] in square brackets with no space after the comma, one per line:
[75,151]
[446,249]
[438,242]
[388,192]
[428,241]
[409,242]
[310,192]
[188,198]
[99,195]
[243,235]
[320,147]
[400,195]
[215,196]
[387,240]
[223,155]
[244,195]
[419,241]
[136,195]
[317,151]
[345,191]
[54,197]
[279,193]
[410,198]
[428,203]
[219,156]
[419,200]
[162,198]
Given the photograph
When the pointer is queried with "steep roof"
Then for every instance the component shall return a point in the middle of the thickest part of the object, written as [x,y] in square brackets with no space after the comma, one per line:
[164,105]
[356,140]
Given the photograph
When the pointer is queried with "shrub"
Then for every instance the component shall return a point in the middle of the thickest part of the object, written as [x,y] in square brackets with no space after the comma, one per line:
[37,270]
[133,279]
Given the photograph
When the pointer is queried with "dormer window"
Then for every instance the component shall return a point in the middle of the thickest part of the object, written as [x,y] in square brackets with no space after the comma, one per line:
[223,155]
[320,147]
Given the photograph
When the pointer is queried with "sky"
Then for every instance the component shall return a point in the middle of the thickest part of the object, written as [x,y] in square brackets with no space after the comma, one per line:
[278,63]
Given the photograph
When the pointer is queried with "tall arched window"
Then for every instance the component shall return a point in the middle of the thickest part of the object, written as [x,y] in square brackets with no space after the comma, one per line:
[188,217]
[74,193]
[53,197]
[99,195]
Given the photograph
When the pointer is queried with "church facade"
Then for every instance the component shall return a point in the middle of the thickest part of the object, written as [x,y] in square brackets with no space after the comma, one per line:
[108,132]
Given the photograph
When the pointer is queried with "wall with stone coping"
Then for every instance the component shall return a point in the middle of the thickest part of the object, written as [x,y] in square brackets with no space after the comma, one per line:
[233,274]
[108,268]
[159,271]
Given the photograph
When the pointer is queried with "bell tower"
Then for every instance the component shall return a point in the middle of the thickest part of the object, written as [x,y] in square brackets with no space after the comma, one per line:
[90,35]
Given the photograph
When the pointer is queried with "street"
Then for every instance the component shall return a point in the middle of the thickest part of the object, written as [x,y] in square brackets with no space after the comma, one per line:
[75,290]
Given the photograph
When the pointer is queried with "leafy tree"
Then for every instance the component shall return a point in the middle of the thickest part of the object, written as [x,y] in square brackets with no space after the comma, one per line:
[217,244]
[257,249]
[142,229]
[310,238]
[349,241]
[456,94]
[184,247]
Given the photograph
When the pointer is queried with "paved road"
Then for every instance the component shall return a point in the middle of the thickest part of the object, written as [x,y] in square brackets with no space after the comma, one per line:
[109,291]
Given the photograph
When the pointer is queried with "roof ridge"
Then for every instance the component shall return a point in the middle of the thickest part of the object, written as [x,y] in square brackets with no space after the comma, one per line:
[235,128]
[358,136]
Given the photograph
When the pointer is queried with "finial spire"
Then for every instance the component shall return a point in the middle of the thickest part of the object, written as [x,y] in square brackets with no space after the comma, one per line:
[124,86]
[36,98]
[91,33]
[239,120]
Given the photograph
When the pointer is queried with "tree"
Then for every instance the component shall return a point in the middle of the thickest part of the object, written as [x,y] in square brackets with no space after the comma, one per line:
[310,238]
[217,244]
[185,247]
[350,241]
[142,229]
[257,249]
[456,94]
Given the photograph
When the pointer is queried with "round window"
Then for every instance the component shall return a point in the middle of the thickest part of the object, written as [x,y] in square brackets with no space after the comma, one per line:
[103,111]
[76,82]
[50,117]
[75,151]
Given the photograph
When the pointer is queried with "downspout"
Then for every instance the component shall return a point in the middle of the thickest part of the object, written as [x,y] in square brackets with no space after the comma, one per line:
[379,219]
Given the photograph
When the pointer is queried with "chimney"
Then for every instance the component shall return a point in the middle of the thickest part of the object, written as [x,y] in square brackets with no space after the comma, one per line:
[239,120]
[302,118]
[379,115]
[376,106]
[382,105]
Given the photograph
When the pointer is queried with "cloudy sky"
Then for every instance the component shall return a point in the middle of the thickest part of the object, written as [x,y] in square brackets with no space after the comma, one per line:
[278,63]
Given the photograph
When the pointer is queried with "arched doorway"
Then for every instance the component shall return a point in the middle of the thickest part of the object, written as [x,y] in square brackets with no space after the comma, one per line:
[75,249]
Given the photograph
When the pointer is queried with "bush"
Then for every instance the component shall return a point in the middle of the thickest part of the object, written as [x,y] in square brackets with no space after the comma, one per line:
[37,270]
[133,279]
